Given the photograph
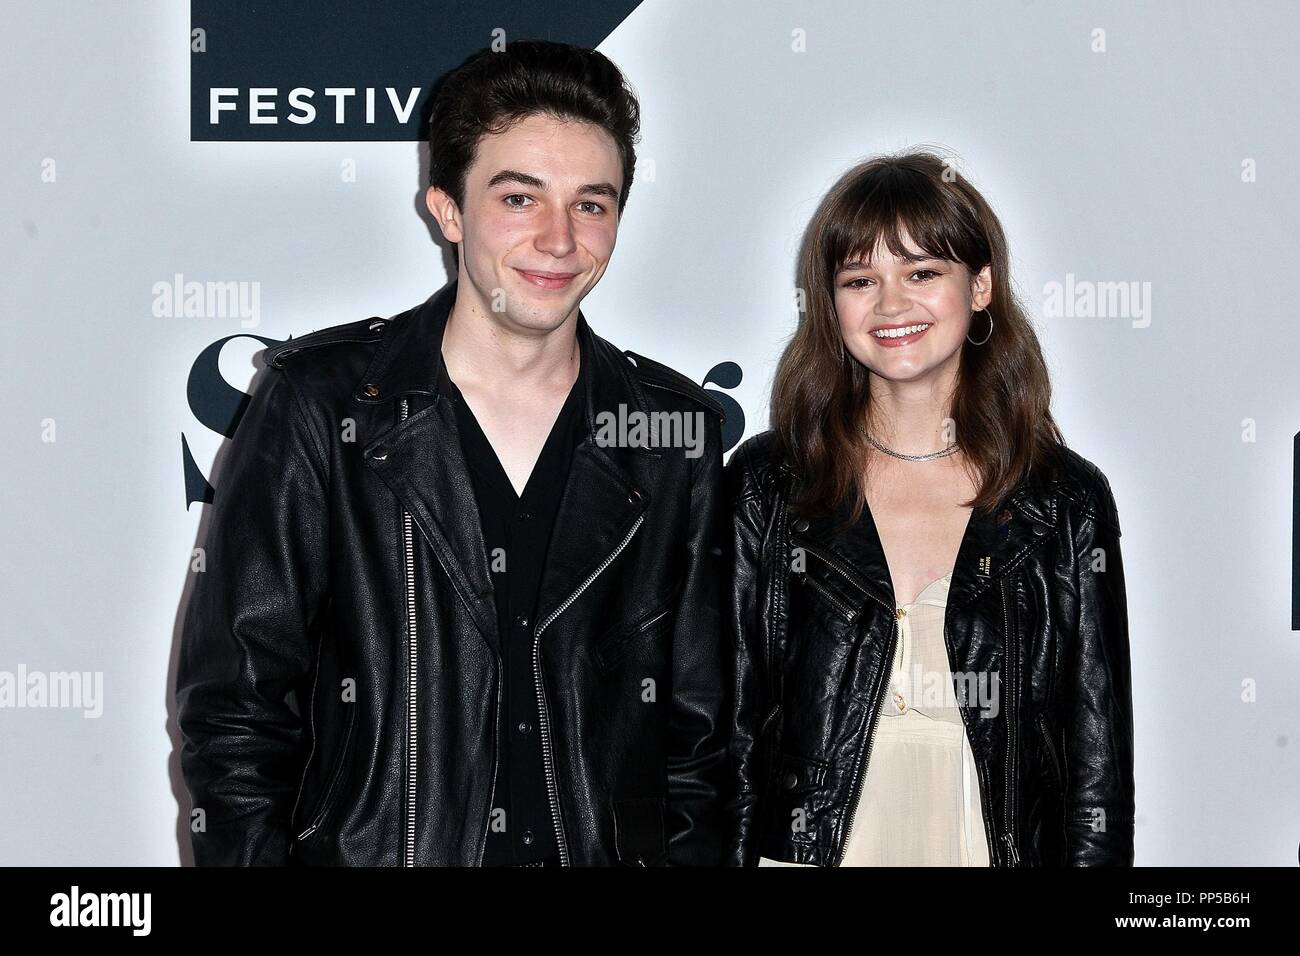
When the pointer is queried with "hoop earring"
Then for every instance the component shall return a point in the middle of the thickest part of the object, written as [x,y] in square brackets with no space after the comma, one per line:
[987,337]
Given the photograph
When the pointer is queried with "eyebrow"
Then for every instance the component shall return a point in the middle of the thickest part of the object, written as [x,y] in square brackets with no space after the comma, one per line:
[527,179]
[913,260]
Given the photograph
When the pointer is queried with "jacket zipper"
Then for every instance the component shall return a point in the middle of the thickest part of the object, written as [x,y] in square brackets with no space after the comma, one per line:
[616,644]
[311,717]
[880,696]
[1006,837]
[981,783]
[551,793]
[411,682]
[1012,673]
[830,563]
[331,791]
[834,565]
[825,592]
[871,739]
[496,756]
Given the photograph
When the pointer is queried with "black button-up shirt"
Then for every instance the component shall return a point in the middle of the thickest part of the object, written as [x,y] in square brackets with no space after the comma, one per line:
[516,532]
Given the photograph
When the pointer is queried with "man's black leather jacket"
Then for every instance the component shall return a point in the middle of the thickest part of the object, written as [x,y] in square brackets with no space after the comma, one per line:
[1029,603]
[338,686]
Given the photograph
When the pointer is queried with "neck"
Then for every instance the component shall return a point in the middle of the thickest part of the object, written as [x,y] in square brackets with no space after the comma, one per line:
[909,417]
[482,349]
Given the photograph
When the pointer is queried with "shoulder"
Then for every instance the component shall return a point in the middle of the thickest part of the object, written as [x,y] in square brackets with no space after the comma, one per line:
[297,349]
[1084,489]
[757,468]
[326,365]
[672,383]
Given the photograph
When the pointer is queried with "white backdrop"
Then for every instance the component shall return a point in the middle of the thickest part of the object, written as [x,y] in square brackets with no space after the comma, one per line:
[1133,143]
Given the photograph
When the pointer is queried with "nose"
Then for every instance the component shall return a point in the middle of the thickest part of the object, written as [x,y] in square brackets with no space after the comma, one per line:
[892,301]
[555,237]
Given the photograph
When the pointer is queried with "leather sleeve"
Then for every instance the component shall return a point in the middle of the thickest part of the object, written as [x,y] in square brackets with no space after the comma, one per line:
[745,626]
[246,637]
[1096,696]
[698,728]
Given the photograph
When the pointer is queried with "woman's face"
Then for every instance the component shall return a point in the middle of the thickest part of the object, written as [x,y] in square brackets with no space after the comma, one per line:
[906,319]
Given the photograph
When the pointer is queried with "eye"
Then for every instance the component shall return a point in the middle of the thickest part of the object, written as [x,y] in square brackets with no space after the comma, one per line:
[514,205]
[594,208]
[927,273]
[854,283]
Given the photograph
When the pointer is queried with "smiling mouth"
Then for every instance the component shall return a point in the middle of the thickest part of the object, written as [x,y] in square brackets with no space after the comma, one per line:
[548,280]
[900,334]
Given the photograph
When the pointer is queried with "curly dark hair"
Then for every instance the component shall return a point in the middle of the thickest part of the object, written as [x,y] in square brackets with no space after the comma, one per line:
[491,91]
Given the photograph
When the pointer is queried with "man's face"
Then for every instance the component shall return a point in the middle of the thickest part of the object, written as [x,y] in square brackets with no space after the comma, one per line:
[539,221]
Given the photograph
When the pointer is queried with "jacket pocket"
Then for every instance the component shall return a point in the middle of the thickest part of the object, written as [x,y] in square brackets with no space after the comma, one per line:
[839,606]
[331,794]
[827,580]
[614,644]
[1052,760]
[797,799]
[795,775]
[639,833]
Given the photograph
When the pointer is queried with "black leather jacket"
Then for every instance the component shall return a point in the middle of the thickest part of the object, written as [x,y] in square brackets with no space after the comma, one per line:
[813,608]
[337,686]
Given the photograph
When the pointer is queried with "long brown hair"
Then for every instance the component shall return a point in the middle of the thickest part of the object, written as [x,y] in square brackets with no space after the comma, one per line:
[1001,405]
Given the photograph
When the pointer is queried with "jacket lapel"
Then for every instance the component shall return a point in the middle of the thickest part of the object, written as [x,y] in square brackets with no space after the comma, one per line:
[603,497]
[425,469]
[993,545]
[421,461]
[996,544]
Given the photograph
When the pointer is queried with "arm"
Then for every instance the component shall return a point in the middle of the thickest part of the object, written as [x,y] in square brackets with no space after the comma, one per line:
[746,634]
[698,731]
[246,635]
[1097,698]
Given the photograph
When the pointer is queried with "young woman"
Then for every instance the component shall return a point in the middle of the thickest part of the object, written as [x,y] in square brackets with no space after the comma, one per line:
[928,599]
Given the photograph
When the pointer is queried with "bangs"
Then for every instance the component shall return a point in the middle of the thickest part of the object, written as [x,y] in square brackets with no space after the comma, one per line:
[885,204]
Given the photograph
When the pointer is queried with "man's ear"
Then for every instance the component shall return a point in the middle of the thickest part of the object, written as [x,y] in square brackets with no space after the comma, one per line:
[444,209]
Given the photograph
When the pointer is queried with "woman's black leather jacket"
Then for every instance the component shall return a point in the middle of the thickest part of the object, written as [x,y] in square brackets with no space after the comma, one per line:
[1036,626]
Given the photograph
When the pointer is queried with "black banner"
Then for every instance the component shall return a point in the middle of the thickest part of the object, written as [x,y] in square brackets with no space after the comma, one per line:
[293,70]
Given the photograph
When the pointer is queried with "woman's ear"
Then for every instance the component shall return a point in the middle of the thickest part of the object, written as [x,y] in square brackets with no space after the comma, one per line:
[982,288]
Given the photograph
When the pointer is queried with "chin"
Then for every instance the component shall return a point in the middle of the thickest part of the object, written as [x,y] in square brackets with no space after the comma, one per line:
[539,317]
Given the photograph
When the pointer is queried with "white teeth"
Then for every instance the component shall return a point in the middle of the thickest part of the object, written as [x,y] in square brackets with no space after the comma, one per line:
[899,333]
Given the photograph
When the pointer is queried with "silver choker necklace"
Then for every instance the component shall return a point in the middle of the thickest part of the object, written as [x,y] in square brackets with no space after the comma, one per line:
[898,454]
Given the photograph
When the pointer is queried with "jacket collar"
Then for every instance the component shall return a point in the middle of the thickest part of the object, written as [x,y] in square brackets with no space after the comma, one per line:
[993,545]
[409,362]
[420,459]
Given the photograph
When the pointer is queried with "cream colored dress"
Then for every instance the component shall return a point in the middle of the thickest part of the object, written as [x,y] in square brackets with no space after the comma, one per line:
[920,800]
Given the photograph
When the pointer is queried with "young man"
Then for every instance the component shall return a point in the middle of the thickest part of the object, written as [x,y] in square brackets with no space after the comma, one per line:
[462,602]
